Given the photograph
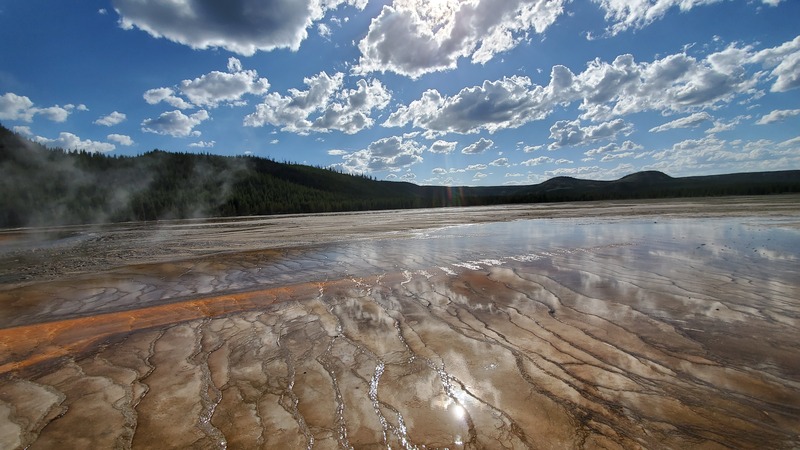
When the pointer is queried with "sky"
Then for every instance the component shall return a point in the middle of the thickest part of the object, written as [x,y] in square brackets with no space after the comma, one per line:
[436,92]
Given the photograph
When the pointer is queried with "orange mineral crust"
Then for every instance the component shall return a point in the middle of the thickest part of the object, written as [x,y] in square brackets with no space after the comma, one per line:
[28,345]
[622,332]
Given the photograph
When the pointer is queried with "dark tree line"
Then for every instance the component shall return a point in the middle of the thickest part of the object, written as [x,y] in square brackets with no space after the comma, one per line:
[43,186]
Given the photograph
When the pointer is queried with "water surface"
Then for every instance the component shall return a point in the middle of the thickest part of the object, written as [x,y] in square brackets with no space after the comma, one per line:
[562,333]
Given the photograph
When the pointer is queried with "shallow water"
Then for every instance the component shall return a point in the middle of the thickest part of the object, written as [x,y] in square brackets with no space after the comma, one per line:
[616,333]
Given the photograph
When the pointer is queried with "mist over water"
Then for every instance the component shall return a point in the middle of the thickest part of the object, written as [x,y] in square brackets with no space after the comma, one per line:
[655,332]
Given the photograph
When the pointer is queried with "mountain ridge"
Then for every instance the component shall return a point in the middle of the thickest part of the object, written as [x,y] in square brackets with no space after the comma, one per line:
[42,186]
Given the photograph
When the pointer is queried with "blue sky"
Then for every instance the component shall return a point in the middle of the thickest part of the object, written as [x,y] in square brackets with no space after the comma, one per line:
[480,92]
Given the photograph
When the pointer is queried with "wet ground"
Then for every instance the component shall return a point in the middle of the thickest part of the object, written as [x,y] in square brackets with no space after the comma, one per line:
[648,329]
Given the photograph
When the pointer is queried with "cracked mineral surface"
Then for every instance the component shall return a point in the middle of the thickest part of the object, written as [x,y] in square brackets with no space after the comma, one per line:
[644,330]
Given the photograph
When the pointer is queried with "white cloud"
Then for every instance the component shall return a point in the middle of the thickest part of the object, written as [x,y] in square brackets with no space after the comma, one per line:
[537,161]
[506,103]
[408,176]
[54,113]
[234,65]
[16,107]
[674,84]
[388,154]
[478,147]
[120,139]
[500,162]
[532,148]
[203,144]
[216,87]
[721,125]
[684,122]
[324,30]
[167,95]
[795,141]
[636,14]
[70,141]
[696,156]
[175,123]
[337,152]
[612,156]
[476,167]
[414,37]
[442,147]
[20,107]
[784,60]
[334,108]
[627,146]
[212,89]
[571,133]
[778,115]
[243,26]
[112,119]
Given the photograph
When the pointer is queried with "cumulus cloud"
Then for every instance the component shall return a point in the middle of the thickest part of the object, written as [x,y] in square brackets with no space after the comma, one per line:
[722,125]
[324,30]
[537,161]
[442,147]
[473,167]
[240,26]
[20,107]
[212,89]
[112,119]
[55,113]
[388,154]
[175,123]
[332,106]
[500,162]
[495,105]
[415,37]
[120,139]
[203,144]
[684,122]
[677,83]
[408,176]
[216,87]
[784,60]
[612,156]
[166,95]
[571,133]
[613,147]
[480,146]
[636,14]
[69,141]
[693,156]
[532,148]
[777,115]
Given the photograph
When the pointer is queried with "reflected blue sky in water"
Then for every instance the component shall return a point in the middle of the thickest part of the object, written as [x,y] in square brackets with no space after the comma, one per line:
[709,241]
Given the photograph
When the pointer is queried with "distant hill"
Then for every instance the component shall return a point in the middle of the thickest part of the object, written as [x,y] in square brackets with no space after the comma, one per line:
[41,186]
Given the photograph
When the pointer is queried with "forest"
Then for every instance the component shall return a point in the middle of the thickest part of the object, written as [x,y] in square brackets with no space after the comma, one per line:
[42,186]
